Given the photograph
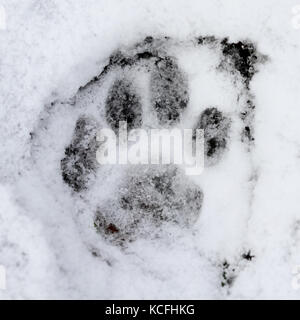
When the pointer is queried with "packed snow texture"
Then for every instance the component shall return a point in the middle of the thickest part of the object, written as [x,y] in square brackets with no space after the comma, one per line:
[234,235]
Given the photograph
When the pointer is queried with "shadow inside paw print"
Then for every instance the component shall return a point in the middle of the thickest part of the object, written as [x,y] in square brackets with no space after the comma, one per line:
[79,163]
[123,104]
[216,132]
[151,197]
[243,56]
[169,90]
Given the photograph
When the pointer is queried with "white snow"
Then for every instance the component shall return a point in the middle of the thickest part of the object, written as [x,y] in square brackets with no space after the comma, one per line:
[51,48]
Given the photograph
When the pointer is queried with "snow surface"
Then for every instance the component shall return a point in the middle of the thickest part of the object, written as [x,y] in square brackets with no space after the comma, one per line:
[48,243]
